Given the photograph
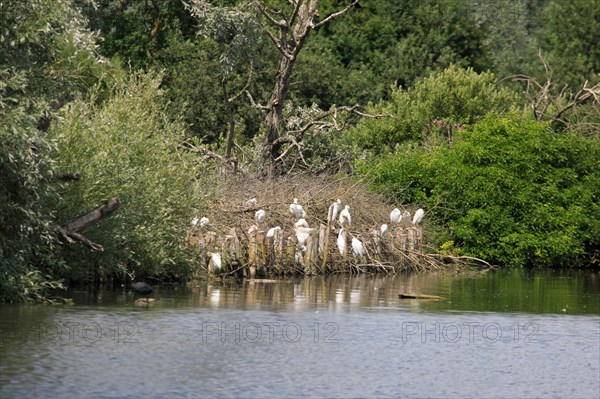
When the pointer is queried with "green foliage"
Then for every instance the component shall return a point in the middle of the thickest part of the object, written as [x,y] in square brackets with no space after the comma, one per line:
[569,36]
[127,147]
[433,109]
[46,56]
[135,31]
[199,104]
[508,35]
[28,258]
[509,190]
[403,40]
[49,42]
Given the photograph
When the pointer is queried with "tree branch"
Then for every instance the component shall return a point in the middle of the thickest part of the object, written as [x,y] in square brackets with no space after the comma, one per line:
[335,15]
[245,88]
[105,209]
[548,105]
[231,163]
[69,230]
[264,11]
[254,104]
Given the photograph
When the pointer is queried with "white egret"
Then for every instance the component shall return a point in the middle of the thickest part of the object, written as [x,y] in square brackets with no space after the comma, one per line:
[302,234]
[296,210]
[341,241]
[345,218]
[395,216]
[215,259]
[260,216]
[384,230]
[358,248]
[204,221]
[301,223]
[418,216]
[272,230]
[195,222]
[334,208]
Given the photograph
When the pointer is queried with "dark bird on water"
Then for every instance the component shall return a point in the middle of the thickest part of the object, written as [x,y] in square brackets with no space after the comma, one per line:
[142,288]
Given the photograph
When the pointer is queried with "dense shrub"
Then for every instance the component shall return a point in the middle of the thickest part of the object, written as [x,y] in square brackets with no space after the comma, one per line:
[28,253]
[509,190]
[46,56]
[427,112]
[127,147]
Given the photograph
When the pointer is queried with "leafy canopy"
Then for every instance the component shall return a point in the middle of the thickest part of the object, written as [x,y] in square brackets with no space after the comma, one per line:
[425,113]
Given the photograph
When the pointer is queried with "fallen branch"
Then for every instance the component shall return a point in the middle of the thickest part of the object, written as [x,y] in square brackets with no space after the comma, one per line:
[94,216]
[69,230]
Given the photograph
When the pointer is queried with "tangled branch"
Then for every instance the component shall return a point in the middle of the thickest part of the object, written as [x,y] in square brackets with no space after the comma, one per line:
[549,103]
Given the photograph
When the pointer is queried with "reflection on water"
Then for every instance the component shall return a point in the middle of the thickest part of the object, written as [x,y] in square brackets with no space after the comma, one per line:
[562,292]
[495,334]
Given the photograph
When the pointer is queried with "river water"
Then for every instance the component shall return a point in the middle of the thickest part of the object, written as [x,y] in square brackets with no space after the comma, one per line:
[504,334]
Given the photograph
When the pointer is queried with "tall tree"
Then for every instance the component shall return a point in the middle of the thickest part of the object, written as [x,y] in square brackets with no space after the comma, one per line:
[570,36]
[288,29]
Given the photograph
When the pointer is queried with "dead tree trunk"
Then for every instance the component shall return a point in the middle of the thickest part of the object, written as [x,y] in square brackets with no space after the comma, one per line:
[288,34]
[70,229]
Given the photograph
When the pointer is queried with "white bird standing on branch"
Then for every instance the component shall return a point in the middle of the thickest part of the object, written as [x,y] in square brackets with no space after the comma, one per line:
[395,216]
[302,234]
[301,223]
[345,218]
[341,241]
[252,230]
[296,210]
[272,230]
[215,258]
[260,216]
[384,230]
[358,248]
[418,216]
[334,208]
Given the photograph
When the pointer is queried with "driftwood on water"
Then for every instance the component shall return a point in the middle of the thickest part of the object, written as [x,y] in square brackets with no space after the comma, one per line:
[412,295]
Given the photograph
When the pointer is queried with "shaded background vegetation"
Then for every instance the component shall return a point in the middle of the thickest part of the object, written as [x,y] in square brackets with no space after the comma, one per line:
[119,91]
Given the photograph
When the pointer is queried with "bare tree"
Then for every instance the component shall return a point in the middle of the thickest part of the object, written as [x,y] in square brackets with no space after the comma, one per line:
[288,30]
[562,106]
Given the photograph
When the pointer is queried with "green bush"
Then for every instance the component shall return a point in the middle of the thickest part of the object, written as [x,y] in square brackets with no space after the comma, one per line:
[46,56]
[430,111]
[508,190]
[28,245]
[128,147]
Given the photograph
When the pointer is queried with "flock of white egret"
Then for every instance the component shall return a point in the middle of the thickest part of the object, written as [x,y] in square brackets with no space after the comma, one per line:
[303,231]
